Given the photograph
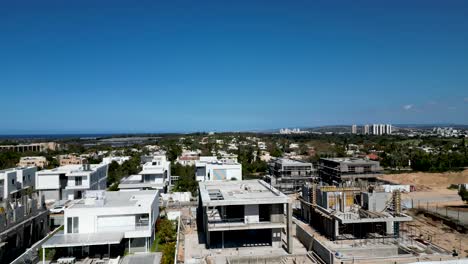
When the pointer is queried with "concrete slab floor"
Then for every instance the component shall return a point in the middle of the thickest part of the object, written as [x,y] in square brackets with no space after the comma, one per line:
[194,250]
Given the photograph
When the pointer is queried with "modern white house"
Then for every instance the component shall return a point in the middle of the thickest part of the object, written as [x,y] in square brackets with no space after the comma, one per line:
[155,175]
[70,181]
[119,159]
[107,224]
[211,169]
[15,179]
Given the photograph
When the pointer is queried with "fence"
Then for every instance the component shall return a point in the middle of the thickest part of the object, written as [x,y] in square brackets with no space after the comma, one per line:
[458,215]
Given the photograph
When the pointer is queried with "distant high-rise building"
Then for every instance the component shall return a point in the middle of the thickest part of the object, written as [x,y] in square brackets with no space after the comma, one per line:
[382,129]
[354,129]
[375,129]
[366,129]
[388,129]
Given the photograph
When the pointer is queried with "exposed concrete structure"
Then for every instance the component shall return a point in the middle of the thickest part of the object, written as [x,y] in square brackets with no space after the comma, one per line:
[337,170]
[244,213]
[289,175]
[336,213]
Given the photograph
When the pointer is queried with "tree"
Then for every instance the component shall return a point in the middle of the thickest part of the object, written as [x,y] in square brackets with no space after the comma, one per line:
[168,252]
[463,193]
[166,230]
[173,152]
[186,182]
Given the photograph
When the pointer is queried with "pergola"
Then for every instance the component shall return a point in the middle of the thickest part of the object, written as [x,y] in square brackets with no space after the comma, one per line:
[82,240]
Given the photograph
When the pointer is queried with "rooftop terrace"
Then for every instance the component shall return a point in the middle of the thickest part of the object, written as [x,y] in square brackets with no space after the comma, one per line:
[239,193]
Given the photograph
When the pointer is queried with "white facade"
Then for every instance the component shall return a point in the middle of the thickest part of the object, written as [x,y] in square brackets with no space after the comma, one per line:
[131,214]
[354,129]
[212,169]
[366,130]
[14,179]
[155,174]
[70,181]
[119,159]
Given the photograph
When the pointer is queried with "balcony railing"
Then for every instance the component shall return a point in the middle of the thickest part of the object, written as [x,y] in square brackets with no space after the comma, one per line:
[238,221]
[125,228]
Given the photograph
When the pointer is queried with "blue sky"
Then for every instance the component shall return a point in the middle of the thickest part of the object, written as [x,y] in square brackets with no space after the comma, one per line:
[122,66]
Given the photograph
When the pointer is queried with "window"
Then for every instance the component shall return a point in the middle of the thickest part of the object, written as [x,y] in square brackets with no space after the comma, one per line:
[75,224]
[12,181]
[69,225]
[78,181]
[72,225]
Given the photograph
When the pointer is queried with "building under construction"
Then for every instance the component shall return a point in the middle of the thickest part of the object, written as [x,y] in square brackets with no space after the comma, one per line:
[341,213]
[337,170]
[289,175]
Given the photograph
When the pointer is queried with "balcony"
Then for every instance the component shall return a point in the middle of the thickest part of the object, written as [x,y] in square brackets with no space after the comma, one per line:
[218,224]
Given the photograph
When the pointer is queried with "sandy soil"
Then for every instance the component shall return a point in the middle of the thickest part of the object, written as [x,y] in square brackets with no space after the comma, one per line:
[428,181]
[440,234]
[431,188]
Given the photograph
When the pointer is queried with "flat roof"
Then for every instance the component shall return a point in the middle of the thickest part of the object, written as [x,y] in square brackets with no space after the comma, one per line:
[351,160]
[291,161]
[76,240]
[118,199]
[240,193]
[72,168]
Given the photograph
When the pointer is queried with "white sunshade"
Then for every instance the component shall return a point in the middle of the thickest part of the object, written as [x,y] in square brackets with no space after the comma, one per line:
[77,240]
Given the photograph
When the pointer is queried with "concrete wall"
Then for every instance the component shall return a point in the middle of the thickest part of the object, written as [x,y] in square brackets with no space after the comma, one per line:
[311,244]
[47,181]
[51,194]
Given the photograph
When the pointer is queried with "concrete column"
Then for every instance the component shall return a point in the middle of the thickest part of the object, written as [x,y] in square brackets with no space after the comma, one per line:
[337,229]
[43,255]
[389,227]
[289,227]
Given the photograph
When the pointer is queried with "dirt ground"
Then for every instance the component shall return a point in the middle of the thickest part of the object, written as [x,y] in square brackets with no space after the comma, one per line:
[440,234]
[431,187]
[428,181]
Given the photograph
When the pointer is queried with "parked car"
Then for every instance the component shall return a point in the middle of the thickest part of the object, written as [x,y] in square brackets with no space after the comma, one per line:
[57,209]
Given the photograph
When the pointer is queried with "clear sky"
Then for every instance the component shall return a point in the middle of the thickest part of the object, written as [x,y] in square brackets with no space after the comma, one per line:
[147,66]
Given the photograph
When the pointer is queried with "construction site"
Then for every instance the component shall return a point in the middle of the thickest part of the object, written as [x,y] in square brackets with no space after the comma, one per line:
[356,225]
[353,220]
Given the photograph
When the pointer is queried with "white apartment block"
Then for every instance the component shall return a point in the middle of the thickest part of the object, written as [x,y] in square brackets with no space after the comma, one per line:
[366,130]
[211,169]
[381,129]
[15,179]
[119,159]
[36,161]
[108,223]
[155,175]
[70,181]
[354,129]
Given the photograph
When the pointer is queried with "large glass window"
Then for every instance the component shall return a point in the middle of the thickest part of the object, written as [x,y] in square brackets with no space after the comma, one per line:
[75,224]
[78,181]
[69,225]
[72,225]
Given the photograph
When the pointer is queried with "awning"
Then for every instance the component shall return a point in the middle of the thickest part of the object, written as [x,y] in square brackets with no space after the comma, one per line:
[78,240]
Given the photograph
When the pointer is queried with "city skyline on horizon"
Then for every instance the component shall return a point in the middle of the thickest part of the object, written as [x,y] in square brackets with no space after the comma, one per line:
[93,67]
